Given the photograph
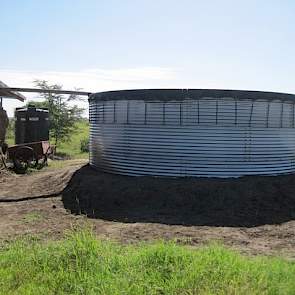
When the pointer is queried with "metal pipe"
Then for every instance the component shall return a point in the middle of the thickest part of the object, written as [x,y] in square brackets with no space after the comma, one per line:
[39,90]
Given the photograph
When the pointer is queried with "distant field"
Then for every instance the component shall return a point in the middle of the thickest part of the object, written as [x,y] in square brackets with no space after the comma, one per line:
[81,264]
[72,147]
[10,132]
[69,148]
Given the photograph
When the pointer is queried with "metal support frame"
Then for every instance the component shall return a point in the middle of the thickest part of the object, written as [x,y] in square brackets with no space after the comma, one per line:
[282,111]
[198,111]
[128,107]
[267,114]
[236,112]
[251,113]
[180,114]
[216,119]
[293,114]
[164,113]
[56,91]
[145,113]
[115,119]
[97,117]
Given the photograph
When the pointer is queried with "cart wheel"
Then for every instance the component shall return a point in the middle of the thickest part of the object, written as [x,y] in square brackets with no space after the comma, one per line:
[24,158]
[42,162]
[3,150]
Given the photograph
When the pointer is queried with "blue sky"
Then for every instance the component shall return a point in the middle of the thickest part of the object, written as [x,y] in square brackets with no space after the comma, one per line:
[101,45]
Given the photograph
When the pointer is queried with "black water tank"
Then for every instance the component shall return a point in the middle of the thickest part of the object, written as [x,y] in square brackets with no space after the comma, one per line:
[31,125]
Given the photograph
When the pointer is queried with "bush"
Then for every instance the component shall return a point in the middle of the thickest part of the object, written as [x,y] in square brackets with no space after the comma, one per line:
[84,145]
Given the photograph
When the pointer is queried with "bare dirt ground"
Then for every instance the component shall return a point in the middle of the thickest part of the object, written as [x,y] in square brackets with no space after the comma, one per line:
[255,215]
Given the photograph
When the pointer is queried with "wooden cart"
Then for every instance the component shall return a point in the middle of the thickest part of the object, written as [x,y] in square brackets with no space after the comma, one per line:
[27,155]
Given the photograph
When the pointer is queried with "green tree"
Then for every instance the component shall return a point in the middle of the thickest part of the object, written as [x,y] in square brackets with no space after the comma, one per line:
[62,115]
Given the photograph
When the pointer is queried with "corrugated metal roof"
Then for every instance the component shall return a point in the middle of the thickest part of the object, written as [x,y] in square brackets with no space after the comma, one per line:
[9,93]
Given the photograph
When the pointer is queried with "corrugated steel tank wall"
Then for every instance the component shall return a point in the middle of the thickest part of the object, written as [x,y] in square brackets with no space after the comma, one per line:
[192,135]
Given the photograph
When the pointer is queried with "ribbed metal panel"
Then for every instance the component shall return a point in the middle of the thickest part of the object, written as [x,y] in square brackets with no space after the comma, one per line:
[211,137]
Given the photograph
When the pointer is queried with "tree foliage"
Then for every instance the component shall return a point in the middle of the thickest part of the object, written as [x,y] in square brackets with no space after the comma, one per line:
[62,114]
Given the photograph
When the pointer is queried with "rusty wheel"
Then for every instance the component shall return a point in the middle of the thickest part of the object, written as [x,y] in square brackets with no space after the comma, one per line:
[3,149]
[42,162]
[24,158]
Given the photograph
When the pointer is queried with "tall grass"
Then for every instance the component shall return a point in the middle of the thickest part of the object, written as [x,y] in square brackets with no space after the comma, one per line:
[81,264]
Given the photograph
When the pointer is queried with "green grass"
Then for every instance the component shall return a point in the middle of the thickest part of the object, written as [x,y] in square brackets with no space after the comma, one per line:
[81,264]
[10,132]
[72,147]
[32,217]
[58,164]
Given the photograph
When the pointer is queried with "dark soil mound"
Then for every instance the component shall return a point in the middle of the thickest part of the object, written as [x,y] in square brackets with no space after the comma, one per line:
[247,201]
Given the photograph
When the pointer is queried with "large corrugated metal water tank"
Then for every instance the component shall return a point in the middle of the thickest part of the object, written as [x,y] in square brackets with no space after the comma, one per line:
[31,125]
[210,133]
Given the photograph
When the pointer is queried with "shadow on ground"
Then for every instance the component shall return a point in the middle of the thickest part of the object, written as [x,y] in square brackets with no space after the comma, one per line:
[243,202]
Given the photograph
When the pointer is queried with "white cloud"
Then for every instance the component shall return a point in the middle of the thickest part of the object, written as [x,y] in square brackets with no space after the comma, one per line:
[93,80]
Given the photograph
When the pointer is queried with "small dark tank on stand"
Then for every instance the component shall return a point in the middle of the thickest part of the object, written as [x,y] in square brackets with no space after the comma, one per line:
[32,145]
[31,125]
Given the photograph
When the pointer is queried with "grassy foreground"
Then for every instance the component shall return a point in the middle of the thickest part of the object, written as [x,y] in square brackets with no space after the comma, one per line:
[81,264]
